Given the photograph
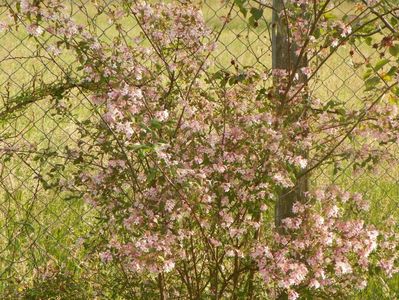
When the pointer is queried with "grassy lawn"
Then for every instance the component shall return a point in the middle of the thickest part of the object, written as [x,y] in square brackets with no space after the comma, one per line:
[38,228]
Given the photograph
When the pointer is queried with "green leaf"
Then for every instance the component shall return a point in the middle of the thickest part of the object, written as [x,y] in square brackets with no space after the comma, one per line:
[381,63]
[367,74]
[372,82]
[156,124]
[317,33]
[151,175]
[256,13]
[368,40]
[240,4]
[329,16]
[142,147]
[392,71]
[394,50]
[394,21]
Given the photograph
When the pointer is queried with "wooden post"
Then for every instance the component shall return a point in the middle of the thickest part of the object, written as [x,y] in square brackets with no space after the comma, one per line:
[284,57]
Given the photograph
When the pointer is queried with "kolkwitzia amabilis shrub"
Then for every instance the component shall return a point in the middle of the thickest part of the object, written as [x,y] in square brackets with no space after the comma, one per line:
[183,164]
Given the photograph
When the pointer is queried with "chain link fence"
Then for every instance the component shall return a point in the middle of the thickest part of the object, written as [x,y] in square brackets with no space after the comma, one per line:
[42,234]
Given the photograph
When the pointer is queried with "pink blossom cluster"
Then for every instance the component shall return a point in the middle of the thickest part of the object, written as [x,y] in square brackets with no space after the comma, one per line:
[324,248]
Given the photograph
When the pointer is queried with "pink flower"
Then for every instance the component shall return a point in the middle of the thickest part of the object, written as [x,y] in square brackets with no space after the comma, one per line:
[3,26]
[34,30]
[168,266]
[292,295]
[342,267]
[314,284]
[106,256]
[162,115]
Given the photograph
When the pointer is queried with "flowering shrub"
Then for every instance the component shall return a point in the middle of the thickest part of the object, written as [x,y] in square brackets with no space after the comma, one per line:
[183,164]
[324,249]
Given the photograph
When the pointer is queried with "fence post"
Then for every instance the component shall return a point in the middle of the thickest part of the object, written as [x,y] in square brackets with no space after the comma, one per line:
[284,57]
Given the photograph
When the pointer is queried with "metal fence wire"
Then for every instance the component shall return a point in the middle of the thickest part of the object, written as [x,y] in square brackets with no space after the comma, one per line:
[43,235]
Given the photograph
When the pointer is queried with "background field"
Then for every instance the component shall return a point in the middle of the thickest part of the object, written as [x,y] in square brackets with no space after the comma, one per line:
[41,234]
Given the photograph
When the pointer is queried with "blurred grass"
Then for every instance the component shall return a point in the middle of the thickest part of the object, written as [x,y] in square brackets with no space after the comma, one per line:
[38,227]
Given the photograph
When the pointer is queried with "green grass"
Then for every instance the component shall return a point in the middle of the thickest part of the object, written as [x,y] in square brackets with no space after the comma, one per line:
[38,228]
